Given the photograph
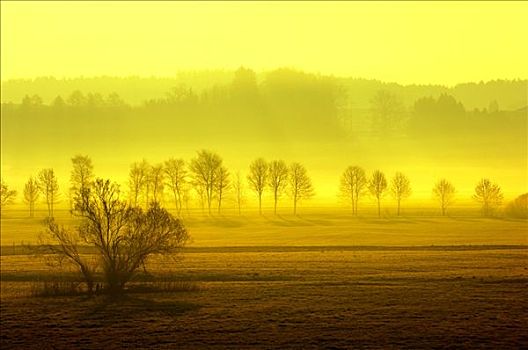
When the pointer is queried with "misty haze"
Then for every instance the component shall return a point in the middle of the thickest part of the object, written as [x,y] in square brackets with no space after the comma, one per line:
[264,175]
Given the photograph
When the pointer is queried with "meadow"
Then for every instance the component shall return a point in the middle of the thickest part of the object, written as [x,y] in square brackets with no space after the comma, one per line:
[321,280]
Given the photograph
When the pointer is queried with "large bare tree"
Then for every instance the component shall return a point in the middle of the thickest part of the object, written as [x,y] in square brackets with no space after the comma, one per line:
[31,194]
[257,178]
[7,196]
[444,192]
[49,187]
[377,187]
[123,236]
[400,188]
[489,195]
[278,180]
[176,178]
[353,185]
[204,170]
[300,185]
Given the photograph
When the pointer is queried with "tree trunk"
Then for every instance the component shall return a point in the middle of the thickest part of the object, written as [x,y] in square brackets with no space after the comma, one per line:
[179,202]
[176,203]
[209,203]
[275,204]
[88,278]
[379,208]
[114,284]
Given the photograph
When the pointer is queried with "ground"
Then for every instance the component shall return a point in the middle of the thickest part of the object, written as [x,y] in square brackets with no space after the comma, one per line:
[409,283]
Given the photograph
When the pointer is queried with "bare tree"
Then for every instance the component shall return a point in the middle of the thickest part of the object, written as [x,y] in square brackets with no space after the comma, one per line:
[257,178]
[300,185]
[156,180]
[221,185]
[124,237]
[278,177]
[7,196]
[137,180]
[81,176]
[400,188]
[377,187]
[49,187]
[489,195]
[239,191]
[63,244]
[31,194]
[353,185]
[444,192]
[175,176]
[204,169]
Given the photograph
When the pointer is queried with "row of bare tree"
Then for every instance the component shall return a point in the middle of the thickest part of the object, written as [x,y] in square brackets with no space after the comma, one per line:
[354,184]
[211,181]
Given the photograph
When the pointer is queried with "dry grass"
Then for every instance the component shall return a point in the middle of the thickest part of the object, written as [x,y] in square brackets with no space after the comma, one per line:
[280,299]
[163,286]
[325,280]
[56,289]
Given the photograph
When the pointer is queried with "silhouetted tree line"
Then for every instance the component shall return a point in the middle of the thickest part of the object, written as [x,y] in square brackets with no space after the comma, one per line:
[206,181]
[284,103]
[446,117]
[510,94]
[287,102]
[442,118]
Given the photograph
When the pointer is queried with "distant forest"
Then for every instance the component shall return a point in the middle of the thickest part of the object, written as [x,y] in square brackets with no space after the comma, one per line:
[281,104]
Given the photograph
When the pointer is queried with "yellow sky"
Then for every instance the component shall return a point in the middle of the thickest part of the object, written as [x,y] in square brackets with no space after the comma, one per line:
[437,42]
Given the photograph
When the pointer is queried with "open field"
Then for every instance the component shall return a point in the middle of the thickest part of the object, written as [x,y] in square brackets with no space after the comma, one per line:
[315,228]
[318,281]
[272,298]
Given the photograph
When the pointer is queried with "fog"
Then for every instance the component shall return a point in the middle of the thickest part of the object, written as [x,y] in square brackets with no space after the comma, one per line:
[428,132]
[328,85]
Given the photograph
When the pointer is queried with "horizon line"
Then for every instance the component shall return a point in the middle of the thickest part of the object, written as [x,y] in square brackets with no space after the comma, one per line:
[205,70]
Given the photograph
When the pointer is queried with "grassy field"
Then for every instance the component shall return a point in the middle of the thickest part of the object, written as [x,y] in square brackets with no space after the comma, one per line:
[316,228]
[323,280]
